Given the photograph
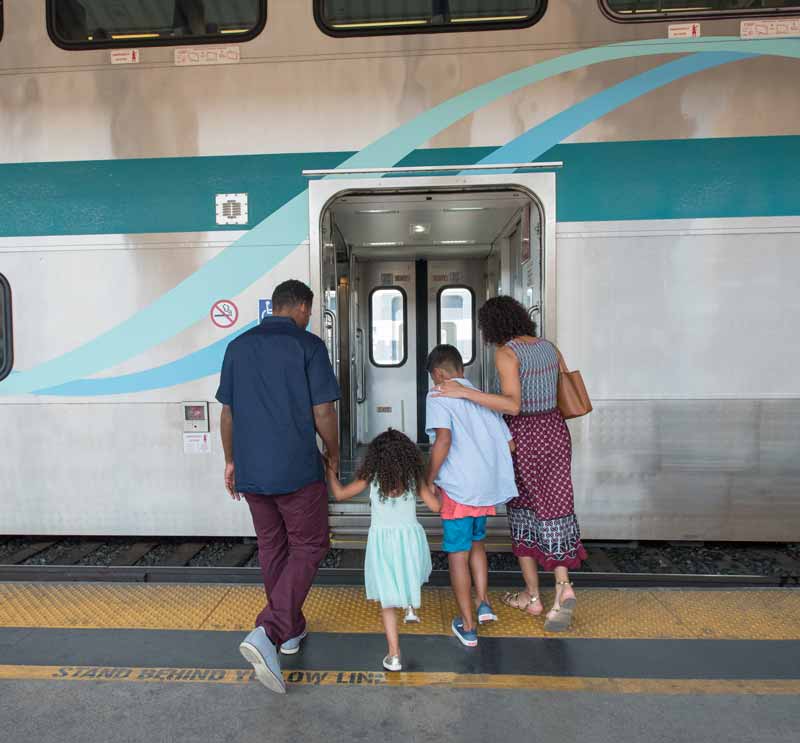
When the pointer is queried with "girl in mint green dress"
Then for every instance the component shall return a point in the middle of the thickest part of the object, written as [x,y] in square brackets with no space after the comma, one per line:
[398,559]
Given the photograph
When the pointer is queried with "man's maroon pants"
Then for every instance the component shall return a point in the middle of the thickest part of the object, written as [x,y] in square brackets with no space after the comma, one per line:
[292,533]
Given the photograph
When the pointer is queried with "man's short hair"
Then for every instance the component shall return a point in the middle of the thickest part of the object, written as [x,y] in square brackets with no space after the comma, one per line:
[291,294]
[445,357]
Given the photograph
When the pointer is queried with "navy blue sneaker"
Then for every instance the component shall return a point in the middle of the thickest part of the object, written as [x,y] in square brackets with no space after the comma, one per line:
[466,637]
[486,613]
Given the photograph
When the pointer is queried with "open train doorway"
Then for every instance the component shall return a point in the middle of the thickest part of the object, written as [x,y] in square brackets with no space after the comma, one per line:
[401,269]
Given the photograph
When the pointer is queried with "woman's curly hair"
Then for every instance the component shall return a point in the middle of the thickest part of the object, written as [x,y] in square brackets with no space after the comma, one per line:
[503,318]
[394,462]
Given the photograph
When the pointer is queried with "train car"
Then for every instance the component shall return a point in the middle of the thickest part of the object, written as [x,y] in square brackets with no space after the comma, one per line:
[628,169]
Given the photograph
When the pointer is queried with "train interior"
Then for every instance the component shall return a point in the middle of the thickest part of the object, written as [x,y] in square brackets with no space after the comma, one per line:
[403,271]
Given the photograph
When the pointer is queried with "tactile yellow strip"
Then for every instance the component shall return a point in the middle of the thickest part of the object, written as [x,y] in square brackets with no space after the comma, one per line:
[768,687]
[772,614]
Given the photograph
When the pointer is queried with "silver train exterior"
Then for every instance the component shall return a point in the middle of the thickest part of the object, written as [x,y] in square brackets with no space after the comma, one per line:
[671,254]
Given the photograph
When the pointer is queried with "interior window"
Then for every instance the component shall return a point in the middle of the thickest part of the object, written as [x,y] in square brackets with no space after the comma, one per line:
[456,312]
[643,10]
[6,347]
[388,327]
[86,24]
[368,17]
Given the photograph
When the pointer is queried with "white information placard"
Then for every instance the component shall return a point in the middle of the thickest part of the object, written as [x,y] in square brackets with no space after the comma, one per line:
[684,31]
[125,56]
[770,28]
[187,56]
[196,443]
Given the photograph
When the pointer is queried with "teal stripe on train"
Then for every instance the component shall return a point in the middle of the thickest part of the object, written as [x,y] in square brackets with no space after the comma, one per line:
[146,195]
[673,179]
[242,262]
[679,179]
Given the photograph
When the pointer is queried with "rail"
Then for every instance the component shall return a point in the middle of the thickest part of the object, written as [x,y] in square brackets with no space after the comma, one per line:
[434,169]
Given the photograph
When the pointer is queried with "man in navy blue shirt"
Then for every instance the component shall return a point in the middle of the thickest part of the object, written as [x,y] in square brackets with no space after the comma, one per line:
[277,391]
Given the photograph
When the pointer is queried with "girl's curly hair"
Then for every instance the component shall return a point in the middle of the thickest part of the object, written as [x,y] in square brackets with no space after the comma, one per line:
[503,318]
[394,462]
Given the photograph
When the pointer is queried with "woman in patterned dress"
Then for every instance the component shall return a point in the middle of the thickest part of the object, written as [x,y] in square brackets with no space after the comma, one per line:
[542,520]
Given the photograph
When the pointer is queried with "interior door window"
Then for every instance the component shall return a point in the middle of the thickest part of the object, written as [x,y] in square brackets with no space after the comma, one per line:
[456,314]
[388,331]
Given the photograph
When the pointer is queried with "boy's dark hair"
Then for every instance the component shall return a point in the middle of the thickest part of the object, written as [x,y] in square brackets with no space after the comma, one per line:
[445,357]
[503,318]
[394,462]
[291,294]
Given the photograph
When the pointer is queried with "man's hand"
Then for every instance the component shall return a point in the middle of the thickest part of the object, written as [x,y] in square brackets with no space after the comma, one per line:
[327,425]
[226,432]
[230,481]
[331,462]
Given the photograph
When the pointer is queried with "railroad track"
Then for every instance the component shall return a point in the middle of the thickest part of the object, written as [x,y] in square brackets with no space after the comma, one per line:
[352,576]
[173,560]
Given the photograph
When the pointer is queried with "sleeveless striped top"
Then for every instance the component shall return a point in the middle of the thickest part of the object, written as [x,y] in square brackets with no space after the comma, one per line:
[538,373]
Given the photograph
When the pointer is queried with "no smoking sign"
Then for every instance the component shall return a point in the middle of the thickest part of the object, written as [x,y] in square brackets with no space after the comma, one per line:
[224,313]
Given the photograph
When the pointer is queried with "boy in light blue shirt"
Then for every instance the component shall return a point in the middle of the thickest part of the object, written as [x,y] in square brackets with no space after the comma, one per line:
[471,464]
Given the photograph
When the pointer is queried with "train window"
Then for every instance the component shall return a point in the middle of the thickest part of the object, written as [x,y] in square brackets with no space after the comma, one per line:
[655,10]
[371,17]
[388,327]
[102,24]
[455,310]
[6,345]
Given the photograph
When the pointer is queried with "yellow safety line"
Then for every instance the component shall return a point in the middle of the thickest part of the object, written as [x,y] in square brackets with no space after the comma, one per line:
[169,675]
[602,613]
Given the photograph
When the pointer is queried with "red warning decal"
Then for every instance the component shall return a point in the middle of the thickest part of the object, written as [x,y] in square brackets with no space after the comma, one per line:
[224,313]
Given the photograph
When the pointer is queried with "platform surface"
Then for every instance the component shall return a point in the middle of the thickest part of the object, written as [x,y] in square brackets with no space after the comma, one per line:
[604,613]
[160,662]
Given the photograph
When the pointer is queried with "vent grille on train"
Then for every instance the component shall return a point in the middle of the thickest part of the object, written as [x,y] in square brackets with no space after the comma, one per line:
[232,208]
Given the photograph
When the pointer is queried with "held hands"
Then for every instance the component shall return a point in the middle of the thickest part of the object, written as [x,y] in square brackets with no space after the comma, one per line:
[453,389]
[331,463]
[429,492]
[230,481]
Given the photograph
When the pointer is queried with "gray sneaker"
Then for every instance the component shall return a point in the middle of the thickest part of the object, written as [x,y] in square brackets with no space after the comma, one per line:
[258,649]
[292,645]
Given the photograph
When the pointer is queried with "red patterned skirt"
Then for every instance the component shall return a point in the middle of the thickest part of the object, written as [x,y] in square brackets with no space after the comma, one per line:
[542,518]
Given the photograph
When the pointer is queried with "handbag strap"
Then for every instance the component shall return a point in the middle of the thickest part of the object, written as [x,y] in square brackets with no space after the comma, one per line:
[562,365]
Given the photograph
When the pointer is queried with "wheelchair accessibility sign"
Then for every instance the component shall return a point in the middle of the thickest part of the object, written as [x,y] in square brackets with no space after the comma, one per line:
[264,308]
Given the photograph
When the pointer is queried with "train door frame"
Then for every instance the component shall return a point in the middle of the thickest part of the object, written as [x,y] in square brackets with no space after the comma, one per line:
[539,187]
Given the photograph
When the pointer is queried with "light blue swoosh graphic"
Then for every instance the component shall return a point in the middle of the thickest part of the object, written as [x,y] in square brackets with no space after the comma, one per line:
[239,265]
[538,140]
[196,365]
[530,145]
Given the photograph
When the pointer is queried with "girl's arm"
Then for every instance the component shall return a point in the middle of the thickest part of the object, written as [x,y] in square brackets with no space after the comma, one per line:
[344,492]
[430,497]
[508,402]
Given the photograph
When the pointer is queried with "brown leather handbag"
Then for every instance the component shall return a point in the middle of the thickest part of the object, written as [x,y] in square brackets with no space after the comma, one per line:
[573,400]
